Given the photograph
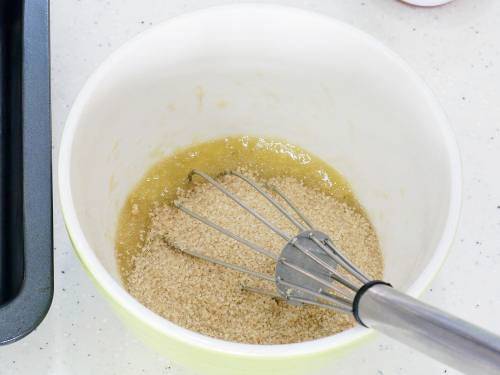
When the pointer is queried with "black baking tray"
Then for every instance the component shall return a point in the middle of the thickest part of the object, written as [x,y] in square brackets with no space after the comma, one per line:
[26,265]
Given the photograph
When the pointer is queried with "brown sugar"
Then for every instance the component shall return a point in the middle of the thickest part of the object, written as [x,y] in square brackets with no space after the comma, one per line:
[207,298]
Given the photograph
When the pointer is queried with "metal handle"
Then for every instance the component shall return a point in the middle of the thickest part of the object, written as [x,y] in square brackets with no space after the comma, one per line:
[464,346]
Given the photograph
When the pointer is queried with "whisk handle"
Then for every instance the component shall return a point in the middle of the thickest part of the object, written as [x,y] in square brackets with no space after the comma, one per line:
[453,341]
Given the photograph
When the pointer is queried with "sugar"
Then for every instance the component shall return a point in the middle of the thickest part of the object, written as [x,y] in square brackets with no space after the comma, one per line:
[208,298]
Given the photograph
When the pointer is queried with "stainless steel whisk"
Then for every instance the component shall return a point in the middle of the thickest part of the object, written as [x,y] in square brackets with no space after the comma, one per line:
[311,270]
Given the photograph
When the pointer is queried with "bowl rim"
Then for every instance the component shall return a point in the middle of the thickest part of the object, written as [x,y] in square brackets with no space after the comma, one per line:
[121,297]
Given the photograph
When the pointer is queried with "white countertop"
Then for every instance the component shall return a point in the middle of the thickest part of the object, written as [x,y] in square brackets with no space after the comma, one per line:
[455,48]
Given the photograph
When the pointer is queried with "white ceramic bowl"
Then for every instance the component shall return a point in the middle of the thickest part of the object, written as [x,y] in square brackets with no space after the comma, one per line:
[282,72]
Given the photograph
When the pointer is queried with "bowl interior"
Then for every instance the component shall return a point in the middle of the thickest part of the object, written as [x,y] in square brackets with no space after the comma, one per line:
[261,71]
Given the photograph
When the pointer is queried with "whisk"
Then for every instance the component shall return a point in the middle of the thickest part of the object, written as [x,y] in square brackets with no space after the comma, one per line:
[311,270]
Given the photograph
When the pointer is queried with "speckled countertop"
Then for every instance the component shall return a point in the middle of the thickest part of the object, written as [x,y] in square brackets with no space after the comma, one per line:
[455,48]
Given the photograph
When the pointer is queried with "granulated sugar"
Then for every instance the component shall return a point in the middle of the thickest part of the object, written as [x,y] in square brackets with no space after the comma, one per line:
[207,298]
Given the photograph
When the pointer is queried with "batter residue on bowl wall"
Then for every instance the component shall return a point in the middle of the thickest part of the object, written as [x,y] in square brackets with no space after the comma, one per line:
[208,298]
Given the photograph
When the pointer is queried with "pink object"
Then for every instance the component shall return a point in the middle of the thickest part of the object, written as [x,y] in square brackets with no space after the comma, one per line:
[427,3]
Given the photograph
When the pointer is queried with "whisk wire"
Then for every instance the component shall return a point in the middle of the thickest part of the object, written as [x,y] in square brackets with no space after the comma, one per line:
[299,300]
[334,301]
[319,304]
[292,206]
[339,258]
[326,283]
[242,204]
[228,233]
[271,200]
[346,263]
[333,272]
[232,266]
